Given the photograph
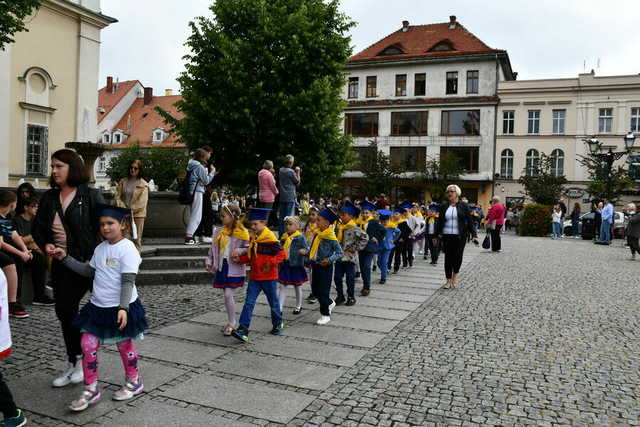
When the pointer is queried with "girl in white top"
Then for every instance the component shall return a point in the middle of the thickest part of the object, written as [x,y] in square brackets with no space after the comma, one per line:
[556,224]
[114,313]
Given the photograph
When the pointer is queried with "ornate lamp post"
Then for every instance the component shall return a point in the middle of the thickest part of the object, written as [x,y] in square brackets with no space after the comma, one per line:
[609,157]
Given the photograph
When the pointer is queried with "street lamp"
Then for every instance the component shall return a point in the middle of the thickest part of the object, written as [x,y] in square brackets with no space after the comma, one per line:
[593,144]
[607,158]
[629,139]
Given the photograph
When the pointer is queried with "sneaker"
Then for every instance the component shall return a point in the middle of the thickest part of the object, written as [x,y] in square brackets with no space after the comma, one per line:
[17,421]
[88,397]
[206,240]
[241,334]
[395,271]
[382,281]
[44,300]
[340,300]
[77,376]
[277,330]
[358,275]
[331,307]
[311,299]
[129,390]
[351,301]
[189,241]
[365,292]
[17,310]
[65,378]
[374,268]
[297,310]
[323,320]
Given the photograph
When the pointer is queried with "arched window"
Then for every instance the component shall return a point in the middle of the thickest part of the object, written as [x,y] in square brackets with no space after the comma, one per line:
[506,164]
[533,160]
[557,162]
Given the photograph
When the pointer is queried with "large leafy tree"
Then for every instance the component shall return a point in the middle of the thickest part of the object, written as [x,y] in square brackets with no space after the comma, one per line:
[380,175]
[12,15]
[542,185]
[441,172]
[606,181]
[264,79]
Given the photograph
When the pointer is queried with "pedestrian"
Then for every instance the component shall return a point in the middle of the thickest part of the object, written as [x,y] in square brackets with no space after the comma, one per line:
[400,251]
[556,222]
[215,206]
[375,234]
[607,222]
[263,254]
[325,251]
[633,230]
[203,232]
[114,314]
[292,271]
[563,208]
[289,179]
[24,192]
[267,189]
[418,234]
[352,239]
[596,208]
[575,221]
[228,274]
[310,231]
[132,192]
[392,233]
[495,219]
[200,174]
[454,224]
[431,238]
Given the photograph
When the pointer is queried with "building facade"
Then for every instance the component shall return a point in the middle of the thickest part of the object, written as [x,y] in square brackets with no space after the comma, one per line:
[423,91]
[48,81]
[554,116]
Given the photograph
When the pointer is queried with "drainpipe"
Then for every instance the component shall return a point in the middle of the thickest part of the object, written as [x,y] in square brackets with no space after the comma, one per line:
[495,134]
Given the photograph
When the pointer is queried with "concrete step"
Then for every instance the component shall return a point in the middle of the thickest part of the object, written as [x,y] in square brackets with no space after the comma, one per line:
[184,262]
[174,277]
[181,250]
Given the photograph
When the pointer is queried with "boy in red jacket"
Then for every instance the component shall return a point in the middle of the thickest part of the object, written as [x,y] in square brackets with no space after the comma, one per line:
[264,254]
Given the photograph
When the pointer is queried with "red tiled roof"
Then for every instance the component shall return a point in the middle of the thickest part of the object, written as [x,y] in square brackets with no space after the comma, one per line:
[144,119]
[420,39]
[108,100]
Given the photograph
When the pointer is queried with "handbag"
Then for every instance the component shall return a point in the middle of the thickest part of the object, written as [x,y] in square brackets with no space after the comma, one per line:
[486,243]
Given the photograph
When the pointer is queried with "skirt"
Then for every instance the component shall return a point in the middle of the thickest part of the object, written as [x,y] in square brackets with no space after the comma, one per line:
[222,279]
[294,276]
[103,322]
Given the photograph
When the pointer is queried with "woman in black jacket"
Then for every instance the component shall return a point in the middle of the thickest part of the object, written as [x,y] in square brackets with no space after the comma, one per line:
[67,218]
[455,224]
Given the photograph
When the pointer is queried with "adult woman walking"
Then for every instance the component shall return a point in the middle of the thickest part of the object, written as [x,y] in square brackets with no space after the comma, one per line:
[495,220]
[267,185]
[202,174]
[454,225]
[633,230]
[67,219]
[575,221]
[132,192]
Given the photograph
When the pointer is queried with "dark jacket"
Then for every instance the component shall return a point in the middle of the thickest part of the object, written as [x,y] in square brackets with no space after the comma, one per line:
[405,231]
[466,224]
[80,221]
[633,226]
[375,230]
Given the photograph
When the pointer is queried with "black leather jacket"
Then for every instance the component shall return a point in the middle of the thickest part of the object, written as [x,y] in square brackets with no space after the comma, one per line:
[80,221]
[466,224]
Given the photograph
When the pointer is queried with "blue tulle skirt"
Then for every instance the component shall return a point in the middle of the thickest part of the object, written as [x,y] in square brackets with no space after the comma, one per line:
[294,276]
[103,322]
[222,279]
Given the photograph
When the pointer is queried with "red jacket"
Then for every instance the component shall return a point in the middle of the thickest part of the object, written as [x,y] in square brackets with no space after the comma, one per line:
[497,213]
[264,264]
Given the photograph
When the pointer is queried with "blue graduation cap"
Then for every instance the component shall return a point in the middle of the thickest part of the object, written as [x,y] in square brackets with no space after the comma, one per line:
[259,214]
[384,214]
[112,211]
[400,210]
[329,215]
[350,208]
[406,205]
[367,206]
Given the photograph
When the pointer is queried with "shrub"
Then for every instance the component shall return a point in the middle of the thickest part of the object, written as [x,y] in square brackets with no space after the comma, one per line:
[536,220]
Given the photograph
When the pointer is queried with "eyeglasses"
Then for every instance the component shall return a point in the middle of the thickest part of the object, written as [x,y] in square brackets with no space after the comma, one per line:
[451,191]
[134,168]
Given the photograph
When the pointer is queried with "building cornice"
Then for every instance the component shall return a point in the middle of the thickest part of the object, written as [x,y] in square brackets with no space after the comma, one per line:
[67,7]
[35,107]
[416,102]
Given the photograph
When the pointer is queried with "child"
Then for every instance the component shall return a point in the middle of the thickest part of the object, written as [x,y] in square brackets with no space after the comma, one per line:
[399,251]
[228,275]
[292,272]
[418,233]
[325,250]
[556,224]
[431,238]
[264,254]
[375,233]
[114,313]
[352,240]
[414,227]
[310,230]
[388,243]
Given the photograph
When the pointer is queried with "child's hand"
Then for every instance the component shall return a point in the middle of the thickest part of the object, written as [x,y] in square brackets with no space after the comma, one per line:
[59,254]
[122,319]
[26,256]
[303,252]
[49,248]
[235,258]
[207,267]
[324,262]
[235,254]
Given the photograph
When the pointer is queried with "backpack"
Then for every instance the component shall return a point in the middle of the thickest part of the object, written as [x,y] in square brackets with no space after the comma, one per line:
[185,195]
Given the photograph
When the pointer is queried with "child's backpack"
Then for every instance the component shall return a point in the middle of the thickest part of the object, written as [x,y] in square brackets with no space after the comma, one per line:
[185,195]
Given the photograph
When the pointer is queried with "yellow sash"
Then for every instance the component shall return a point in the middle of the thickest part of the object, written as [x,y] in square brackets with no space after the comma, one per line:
[266,236]
[390,224]
[288,239]
[327,234]
[343,227]
[239,232]
[310,231]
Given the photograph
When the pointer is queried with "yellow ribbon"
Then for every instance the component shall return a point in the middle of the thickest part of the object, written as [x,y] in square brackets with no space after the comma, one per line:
[327,234]
[266,236]
[288,239]
[239,232]
[343,227]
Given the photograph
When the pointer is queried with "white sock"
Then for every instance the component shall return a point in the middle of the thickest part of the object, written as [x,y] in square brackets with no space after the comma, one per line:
[282,295]
[298,296]
[230,304]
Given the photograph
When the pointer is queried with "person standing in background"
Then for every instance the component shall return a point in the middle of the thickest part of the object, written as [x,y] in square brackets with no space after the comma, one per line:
[495,220]
[607,222]
[202,174]
[267,189]
[575,221]
[633,230]
[289,179]
[132,192]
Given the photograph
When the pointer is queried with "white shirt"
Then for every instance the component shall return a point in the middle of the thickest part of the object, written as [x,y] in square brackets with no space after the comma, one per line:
[110,262]
[556,216]
[451,221]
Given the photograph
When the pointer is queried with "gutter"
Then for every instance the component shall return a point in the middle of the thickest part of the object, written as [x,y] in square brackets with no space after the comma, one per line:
[495,133]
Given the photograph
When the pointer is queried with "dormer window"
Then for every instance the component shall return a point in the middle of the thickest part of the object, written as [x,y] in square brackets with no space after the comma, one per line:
[158,135]
[106,138]
[391,50]
[117,137]
[442,46]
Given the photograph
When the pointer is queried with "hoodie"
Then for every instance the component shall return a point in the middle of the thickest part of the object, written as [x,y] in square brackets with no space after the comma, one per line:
[199,174]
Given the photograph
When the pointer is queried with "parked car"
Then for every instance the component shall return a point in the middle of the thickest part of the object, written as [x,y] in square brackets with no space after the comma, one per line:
[568,229]
[587,226]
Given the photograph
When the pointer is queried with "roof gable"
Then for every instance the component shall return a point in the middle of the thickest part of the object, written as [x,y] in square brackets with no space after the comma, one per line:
[442,46]
[107,100]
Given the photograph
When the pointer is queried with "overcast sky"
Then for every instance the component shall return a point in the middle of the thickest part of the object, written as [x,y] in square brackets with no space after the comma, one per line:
[544,38]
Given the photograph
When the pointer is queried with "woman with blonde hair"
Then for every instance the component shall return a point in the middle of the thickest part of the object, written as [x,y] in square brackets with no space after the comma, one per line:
[132,192]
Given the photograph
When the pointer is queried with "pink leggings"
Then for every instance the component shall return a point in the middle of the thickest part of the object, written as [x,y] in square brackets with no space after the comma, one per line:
[90,345]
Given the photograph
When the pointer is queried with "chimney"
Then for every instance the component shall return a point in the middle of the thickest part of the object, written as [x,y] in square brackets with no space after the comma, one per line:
[109,84]
[168,92]
[148,95]
[405,26]
[452,22]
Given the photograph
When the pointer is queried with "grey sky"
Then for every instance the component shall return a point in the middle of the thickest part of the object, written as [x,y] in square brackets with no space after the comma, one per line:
[544,38]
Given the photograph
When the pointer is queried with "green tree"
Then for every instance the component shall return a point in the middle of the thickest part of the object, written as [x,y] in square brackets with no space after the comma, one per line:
[12,15]
[380,174]
[441,172]
[264,79]
[542,185]
[606,181]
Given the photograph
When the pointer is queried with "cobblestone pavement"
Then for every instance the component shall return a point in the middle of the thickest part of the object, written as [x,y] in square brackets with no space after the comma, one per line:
[545,333]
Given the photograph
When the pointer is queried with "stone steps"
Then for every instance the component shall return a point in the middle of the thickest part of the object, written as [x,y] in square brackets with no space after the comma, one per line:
[174,265]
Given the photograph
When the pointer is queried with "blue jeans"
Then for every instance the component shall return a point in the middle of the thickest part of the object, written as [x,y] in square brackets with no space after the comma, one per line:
[605,231]
[555,227]
[575,229]
[343,268]
[285,209]
[270,289]
[366,258]
[383,260]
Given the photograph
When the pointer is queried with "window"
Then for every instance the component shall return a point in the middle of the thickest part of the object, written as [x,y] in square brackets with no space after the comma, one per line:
[442,46]
[452,82]
[409,123]
[102,165]
[420,87]
[391,50]
[557,162]
[508,121]
[353,87]
[634,168]
[117,138]
[635,120]
[409,159]
[472,81]
[534,122]
[533,159]
[506,164]
[461,122]
[468,156]
[158,135]
[106,138]
[364,157]
[605,121]
[558,121]
[37,142]
[372,83]
[361,124]
[401,85]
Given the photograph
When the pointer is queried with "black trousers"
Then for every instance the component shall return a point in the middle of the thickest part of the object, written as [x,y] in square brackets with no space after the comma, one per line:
[453,246]
[7,405]
[38,266]
[321,278]
[206,223]
[496,241]
[398,254]
[634,245]
[68,289]
[434,248]
[408,252]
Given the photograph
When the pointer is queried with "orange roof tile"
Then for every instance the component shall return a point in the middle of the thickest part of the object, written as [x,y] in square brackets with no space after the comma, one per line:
[108,100]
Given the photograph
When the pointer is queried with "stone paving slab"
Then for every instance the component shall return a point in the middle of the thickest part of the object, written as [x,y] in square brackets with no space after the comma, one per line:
[334,335]
[380,292]
[153,374]
[217,319]
[151,414]
[307,350]
[260,402]
[356,322]
[278,370]
[172,350]
[387,303]
[401,289]
[372,312]
[198,332]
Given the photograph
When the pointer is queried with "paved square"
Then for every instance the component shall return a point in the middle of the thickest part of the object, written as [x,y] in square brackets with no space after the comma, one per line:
[178,351]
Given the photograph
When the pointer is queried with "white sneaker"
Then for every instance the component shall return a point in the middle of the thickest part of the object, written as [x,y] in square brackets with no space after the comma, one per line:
[206,240]
[78,374]
[324,320]
[65,378]
[331,307]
